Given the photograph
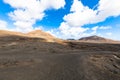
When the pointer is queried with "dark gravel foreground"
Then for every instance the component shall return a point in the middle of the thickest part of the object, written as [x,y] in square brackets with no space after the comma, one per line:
[36,60]
[55,67]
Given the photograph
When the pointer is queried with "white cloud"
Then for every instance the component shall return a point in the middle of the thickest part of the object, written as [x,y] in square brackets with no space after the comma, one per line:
[27,12]
[109,34]
[56,4]
[71,31]
[95,29]
[81,15]
[39,28]
[3,25]
[105,27]
[100,28]
[65,31]
[109,8]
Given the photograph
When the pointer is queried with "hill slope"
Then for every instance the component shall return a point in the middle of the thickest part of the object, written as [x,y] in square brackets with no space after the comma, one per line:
[97,39]
[41,34]
[9,33]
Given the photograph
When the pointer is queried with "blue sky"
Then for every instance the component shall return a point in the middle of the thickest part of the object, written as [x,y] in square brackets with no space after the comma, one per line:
[62,18]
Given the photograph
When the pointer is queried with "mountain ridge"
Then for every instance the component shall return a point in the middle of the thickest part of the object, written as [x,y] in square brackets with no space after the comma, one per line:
[51,38]
[33,34]
[96,38]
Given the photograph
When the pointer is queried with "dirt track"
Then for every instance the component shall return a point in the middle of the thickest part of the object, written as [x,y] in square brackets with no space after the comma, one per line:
[53,67]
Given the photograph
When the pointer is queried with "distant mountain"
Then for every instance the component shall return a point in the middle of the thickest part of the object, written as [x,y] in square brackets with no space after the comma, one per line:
[10,33]
[96,39]
[38,34]
[41,34]
[92,38]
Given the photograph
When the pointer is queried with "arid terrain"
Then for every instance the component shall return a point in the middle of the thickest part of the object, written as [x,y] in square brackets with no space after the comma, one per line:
[32,57]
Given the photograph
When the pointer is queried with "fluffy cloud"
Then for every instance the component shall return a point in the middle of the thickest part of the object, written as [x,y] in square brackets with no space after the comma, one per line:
[3,25]
[96,28]
[71,32]
[67,32]
[105,27]
[81,15]
[109,34]
[109,8]
[27,12]
[101,28]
